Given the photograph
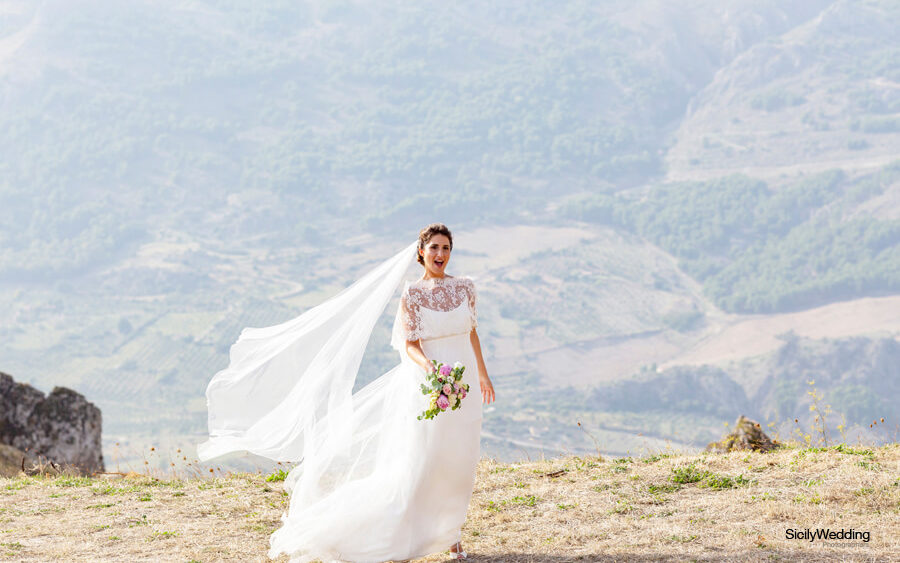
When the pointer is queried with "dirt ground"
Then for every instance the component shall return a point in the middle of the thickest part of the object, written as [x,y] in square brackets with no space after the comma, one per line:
[668,506]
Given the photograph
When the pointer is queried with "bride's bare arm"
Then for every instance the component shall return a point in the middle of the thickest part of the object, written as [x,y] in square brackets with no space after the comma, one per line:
[487,388]
[415,352]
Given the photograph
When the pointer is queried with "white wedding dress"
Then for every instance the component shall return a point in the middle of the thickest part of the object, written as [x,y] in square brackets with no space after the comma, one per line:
[398,487]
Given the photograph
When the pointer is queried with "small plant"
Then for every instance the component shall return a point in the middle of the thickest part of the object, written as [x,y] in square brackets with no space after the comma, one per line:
[813,499]
[820,412]
[107,489]
[664,488]
[716,481]
[620,465]
[530,500]
[688,474]
[562,506]
[158,535]
[12,545]
[869,466]
[71,482]
[593,439]
[807,438]
[844,449]
[622,507]
[279,475]
[492,506]
[841,427]
[585,464]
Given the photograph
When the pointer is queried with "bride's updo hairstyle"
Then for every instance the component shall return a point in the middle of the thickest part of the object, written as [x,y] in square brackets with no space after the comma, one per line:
[428,232]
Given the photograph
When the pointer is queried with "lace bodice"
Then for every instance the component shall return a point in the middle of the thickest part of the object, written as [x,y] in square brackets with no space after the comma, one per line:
[425,302]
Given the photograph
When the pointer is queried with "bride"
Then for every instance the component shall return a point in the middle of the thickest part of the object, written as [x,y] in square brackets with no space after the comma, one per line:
[373,482]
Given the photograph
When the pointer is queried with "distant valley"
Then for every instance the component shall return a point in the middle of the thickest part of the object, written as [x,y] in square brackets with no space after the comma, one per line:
[701,200]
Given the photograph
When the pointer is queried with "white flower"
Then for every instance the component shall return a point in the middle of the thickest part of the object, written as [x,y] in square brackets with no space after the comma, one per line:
[457,365]
[452,398]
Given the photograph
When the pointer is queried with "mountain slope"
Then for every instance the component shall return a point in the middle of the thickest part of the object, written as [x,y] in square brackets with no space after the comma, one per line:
[825,94]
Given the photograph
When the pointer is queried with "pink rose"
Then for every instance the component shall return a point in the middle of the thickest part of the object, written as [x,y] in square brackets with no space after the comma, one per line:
[445,369]
[456,387]
[462,393]
[443,402]
[447,389]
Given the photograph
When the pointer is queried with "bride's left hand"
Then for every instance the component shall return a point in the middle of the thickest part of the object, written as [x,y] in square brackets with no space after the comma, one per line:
[487,389]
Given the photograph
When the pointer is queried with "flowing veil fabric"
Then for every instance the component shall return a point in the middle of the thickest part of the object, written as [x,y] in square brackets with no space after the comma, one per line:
[287,392]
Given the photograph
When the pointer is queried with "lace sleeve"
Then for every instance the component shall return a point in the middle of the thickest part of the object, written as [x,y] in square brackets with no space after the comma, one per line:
[473,311]
[412,320]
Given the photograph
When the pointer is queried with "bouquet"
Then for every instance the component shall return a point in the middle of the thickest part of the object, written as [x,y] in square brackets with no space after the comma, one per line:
[445,388]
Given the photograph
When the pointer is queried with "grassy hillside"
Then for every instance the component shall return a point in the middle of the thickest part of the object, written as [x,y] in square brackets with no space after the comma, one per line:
[665,506]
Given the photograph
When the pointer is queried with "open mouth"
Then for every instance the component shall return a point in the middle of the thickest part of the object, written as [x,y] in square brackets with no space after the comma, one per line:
[439,263]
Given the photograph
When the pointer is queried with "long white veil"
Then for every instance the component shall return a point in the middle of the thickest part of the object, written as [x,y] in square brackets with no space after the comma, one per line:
[287,390]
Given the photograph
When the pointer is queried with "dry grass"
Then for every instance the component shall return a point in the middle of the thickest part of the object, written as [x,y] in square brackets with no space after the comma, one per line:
[563,509]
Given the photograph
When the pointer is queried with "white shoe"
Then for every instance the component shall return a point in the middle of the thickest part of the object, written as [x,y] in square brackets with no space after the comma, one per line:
[459,554]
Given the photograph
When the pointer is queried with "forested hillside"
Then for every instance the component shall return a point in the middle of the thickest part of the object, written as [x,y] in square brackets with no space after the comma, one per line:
[759,249]
[625,180]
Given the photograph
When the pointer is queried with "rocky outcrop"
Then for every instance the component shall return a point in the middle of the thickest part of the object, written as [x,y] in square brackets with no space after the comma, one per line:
[62,426]
[747,435]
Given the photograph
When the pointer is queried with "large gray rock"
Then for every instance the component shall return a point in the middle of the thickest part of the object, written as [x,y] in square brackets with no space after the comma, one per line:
[63,426]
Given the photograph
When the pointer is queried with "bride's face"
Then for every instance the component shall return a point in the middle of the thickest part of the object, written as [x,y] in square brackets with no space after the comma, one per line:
[436,255]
